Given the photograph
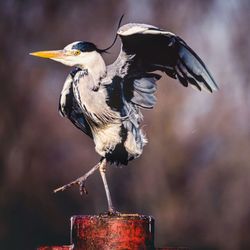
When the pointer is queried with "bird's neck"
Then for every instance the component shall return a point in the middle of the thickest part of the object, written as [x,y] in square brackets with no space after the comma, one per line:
[95,65]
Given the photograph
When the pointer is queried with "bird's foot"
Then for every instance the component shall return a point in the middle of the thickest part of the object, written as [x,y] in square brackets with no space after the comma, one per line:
[110,213]
[79,181]
[113,213]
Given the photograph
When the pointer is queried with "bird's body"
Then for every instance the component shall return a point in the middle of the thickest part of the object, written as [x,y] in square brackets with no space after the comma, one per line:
[112,122]
[105,102]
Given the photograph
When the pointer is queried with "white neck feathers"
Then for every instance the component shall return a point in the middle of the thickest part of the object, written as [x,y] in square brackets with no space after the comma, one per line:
[94,63]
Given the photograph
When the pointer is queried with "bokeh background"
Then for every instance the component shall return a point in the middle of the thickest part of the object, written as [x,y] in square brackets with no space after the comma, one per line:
[194,175]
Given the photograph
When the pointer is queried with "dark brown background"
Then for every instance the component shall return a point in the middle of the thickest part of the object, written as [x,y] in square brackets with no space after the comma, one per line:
[194,175]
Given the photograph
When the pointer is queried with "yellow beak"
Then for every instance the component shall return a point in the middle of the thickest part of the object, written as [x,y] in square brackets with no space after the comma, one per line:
[49,54]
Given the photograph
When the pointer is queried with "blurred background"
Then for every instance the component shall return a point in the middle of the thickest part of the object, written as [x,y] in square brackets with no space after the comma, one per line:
[194,175]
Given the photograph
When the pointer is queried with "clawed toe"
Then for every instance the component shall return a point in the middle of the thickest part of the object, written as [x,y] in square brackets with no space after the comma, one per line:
[110,213]
[79,181]
[113,213]
[82,188]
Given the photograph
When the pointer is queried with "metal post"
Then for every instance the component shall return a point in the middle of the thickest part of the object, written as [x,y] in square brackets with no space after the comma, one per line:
[117,232]
[55,248]
[111,232]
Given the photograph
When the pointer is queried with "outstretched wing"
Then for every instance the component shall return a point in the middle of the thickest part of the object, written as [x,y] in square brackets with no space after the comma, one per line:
[68,106]
[146,48]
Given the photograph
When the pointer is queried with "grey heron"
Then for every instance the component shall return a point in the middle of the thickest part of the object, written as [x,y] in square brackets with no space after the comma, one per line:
[105,101]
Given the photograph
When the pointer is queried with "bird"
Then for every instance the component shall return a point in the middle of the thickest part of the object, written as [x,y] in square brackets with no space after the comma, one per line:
[105,101]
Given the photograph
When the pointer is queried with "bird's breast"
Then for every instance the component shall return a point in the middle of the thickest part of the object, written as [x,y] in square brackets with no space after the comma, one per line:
[93,101]
[113,140]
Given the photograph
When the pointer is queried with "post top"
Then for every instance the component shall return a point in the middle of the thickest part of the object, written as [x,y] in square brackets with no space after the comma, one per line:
[116,216]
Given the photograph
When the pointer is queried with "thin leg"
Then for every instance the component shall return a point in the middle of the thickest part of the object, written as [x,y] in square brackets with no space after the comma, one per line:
[80,181]
[102,170]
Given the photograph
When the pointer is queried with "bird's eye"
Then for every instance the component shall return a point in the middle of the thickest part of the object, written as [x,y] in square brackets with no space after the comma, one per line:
[76,52]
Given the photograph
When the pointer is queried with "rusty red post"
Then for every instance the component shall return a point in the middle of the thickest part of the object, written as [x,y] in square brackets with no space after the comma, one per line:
[173,248]
[111,232]
[55,248]
[118,232]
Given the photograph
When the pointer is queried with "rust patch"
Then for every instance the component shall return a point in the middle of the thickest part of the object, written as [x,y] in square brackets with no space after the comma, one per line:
[55,248]
[107,232]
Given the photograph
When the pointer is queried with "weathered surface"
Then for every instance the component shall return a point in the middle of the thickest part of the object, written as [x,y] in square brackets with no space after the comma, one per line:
[105,232]
[173,248]
[55,248]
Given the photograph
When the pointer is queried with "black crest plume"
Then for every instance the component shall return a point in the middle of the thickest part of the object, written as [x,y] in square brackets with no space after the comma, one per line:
[109,47]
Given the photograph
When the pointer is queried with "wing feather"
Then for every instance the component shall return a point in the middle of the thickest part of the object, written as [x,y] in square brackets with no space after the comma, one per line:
[68,106]
[145,49]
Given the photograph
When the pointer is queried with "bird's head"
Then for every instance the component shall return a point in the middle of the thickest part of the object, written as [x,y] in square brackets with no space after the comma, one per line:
[75,54]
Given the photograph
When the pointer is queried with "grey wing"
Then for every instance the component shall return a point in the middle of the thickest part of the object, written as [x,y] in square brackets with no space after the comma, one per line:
[68,106]
[145,49]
